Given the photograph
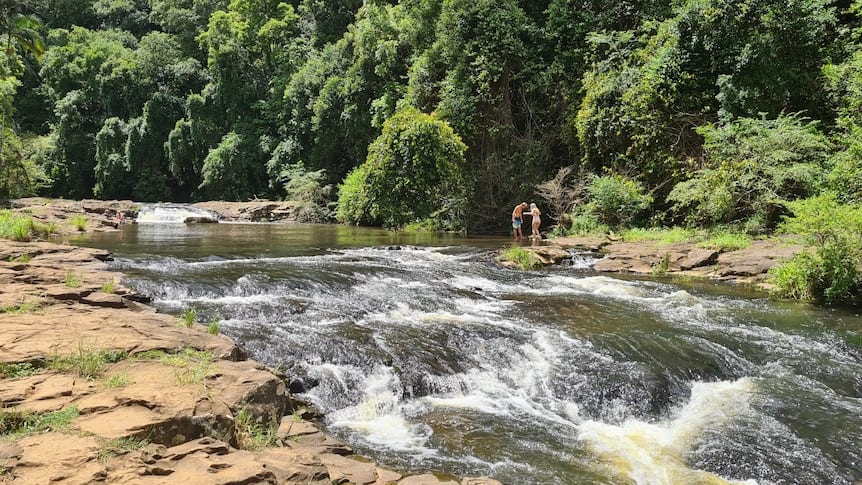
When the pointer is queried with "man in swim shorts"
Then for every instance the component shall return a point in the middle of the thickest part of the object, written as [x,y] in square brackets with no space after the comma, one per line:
[516,220]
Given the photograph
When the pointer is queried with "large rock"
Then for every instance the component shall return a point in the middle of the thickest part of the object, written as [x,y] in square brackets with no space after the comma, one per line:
[57,458]
[161,405]
[252,211]
[61,330]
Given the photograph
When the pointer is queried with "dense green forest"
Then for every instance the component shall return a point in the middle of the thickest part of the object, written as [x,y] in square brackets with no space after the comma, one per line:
[444,112]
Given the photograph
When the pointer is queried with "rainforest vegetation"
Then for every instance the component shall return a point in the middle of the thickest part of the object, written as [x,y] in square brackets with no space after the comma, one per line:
[739,114]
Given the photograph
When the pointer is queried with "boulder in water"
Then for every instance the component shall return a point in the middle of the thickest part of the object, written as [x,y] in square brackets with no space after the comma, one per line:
[199,220]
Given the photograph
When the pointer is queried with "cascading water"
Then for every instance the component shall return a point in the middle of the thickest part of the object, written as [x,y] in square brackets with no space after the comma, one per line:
[174,213]
[436,358]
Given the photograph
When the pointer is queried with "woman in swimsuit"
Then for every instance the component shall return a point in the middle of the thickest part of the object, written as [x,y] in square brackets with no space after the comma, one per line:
[537,219]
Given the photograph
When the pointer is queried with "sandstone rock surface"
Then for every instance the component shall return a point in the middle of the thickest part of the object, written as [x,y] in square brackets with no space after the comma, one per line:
[748,266]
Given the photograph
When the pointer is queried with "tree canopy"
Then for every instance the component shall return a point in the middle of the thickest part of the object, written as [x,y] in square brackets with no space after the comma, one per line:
[715,111]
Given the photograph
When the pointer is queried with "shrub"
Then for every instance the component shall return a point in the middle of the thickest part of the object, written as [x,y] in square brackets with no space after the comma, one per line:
[560,194]
[354,205]
[586,224]
[663,235]
[616,200]
[829,272]
[845,178]
[726,241]
[752,165]
[308,191]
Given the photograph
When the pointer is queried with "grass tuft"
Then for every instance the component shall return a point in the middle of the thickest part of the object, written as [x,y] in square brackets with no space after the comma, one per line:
[117,381]
[726,241]
[109,287]
[188,317]
[661,235]
[191,366]
[73,280]
[87,363]
[252,434]
[525,259]
[22,228]
[15,371]
[24,258]
[214,326]
[119,447]
[24,307]
[20,424]
[78,221]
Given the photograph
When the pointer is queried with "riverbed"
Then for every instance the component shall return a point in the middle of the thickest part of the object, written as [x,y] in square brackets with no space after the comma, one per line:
[424,354]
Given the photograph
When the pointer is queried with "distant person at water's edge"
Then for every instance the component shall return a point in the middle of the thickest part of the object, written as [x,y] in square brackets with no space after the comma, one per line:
[536,214]
[517,215]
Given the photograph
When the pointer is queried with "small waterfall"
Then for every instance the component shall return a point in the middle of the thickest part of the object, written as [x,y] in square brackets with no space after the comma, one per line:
[654,453]
[175,214]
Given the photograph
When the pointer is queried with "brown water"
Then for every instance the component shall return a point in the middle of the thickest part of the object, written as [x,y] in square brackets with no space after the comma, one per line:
[425,354]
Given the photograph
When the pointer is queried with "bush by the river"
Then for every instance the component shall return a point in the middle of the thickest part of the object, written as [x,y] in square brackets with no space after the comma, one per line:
[414,171]
[829,271]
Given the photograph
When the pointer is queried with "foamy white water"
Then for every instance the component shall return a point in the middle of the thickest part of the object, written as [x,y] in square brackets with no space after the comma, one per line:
[654,453]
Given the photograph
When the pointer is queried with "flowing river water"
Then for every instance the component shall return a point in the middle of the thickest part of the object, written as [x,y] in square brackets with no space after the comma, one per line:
[424,354]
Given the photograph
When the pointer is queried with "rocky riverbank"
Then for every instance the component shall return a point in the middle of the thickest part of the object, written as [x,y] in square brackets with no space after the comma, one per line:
[96,387]
[101,215]
[749,266]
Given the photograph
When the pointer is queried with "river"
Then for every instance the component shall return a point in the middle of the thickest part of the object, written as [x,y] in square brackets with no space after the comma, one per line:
[424,354]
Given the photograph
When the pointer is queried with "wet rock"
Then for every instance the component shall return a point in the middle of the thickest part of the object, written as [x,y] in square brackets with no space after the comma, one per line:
[480,481]
[353,470]
[104,300]
[199,220]
[304,435]
[697,258]
[252,211]
[594,244]
[426,479]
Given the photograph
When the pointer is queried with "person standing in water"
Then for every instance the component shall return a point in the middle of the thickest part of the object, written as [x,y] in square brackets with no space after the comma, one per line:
[536,214]
[517,216]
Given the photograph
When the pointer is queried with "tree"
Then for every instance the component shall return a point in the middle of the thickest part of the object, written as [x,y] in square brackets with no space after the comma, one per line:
[229,171]
[19,37]
[414,171]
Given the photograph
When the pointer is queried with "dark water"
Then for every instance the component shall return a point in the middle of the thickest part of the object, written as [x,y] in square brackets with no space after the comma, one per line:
[424,354]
